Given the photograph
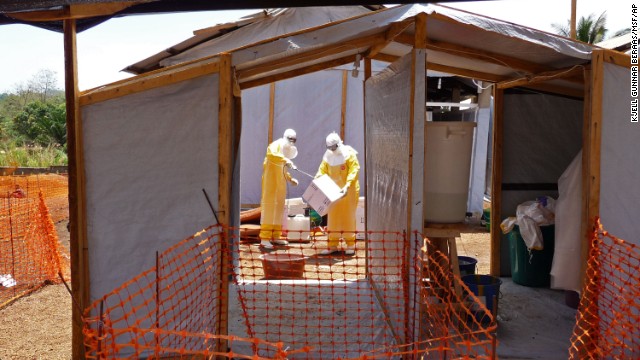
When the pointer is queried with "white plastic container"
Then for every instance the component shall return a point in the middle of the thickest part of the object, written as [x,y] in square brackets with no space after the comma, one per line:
[298,227]
[447,167]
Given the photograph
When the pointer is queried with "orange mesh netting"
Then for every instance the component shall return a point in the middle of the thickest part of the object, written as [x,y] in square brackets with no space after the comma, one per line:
[291,302]
[54,187]
[608,319]
[29,249]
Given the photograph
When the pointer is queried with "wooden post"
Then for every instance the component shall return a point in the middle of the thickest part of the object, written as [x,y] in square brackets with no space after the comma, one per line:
[496,183]
[343,108]
[272,101]
[573,19]
[79,266]
[225,178]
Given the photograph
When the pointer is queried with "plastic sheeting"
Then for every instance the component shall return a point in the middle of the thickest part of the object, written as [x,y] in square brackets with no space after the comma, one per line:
[619,160]
[541,135]
[389,133]
[283,22]
[147,158]
[312,106]
[566,265]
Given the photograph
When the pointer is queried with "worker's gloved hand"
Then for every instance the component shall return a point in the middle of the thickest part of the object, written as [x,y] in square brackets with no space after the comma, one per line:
[291,165]
[294,181]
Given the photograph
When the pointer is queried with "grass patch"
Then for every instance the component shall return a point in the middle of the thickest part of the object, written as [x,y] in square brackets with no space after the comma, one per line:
[32,156]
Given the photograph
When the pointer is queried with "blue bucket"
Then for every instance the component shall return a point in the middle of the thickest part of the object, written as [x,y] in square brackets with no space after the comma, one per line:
[487,289]
[467,265]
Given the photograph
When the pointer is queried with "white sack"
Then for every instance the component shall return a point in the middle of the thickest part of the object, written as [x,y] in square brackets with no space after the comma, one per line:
[565,269]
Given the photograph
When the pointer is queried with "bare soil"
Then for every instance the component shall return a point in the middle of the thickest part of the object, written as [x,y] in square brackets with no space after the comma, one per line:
[38,326]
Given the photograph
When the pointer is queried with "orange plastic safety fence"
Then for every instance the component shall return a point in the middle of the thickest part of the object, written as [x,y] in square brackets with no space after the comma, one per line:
[608,319]
[54,187]
[29,249]
[390,297]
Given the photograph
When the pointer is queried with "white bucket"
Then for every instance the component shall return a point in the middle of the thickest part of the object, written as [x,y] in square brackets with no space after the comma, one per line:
[298,227]
[447,167]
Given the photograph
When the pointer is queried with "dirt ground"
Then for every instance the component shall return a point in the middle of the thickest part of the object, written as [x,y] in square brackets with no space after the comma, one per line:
[38,326]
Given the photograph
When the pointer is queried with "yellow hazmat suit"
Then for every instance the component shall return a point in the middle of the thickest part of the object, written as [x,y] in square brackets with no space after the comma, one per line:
[274,188]
[343,168]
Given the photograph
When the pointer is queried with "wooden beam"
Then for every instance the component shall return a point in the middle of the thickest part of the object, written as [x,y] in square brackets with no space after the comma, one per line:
[343,107]
[225,178]
[77,224]
[472,74]
[394,30]
[595,135]
[616,57]
[496,182]
[543,76]
[572,20]
[146,82]
[473,53]
[310,55]
[586,224]
[555,89]
[74,11]
[297,72]
[272,104]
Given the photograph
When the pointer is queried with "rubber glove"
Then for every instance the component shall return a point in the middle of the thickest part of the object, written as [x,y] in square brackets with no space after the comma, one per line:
[291,165]
[294,181]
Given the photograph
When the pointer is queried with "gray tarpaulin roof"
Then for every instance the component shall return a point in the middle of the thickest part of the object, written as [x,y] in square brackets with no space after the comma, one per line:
[9,8]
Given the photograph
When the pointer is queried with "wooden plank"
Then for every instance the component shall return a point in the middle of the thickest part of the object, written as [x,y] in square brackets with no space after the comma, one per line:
[309,55]
[225,174]
[451,230]
[272,101]
[343,107]
[496,182]
[77,229]
[595,134]
[586,224]
[146,82]
[472,74]
[478,54]
[297,72]
[73,11]
[616,57]
[566,73]
[394,30]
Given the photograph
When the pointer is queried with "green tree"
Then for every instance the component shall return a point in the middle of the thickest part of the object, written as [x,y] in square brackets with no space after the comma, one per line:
[41,123]
[589,29]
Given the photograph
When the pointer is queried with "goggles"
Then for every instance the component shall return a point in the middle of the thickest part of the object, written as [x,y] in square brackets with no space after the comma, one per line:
[291,139]
[332,147]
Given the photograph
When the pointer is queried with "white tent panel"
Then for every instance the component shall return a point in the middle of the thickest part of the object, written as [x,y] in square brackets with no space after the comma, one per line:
[389,133]
[253,141]
[147,158]
[620,163]
[312,106]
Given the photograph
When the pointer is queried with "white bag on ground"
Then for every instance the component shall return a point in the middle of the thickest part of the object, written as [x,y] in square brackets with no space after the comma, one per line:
[529,216]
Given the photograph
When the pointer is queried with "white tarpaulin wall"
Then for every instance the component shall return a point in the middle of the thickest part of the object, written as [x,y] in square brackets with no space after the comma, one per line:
[389,132]
[311,105]
[542,134]
[147,157]
[619,158]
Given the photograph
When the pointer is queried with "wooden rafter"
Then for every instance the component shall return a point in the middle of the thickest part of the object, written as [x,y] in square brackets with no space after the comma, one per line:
[394,30]
[74,11]
[473,53]
[566,73]
[310,55]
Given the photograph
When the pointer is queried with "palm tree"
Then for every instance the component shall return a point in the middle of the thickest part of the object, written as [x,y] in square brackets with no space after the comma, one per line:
[589,29]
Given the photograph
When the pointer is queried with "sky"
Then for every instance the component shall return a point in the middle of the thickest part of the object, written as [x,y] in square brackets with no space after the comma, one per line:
[104,50]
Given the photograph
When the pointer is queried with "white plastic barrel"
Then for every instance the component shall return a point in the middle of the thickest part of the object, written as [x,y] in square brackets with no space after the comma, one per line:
[447,166]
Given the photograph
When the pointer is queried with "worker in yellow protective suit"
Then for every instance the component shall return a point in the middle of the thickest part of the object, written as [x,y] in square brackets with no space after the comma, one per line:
[274,187]
[341,164]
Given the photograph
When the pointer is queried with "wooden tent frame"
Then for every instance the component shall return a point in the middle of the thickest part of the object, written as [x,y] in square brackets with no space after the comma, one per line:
[231,83]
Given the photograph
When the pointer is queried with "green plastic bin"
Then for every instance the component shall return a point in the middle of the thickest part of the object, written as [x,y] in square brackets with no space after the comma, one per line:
[531,269]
